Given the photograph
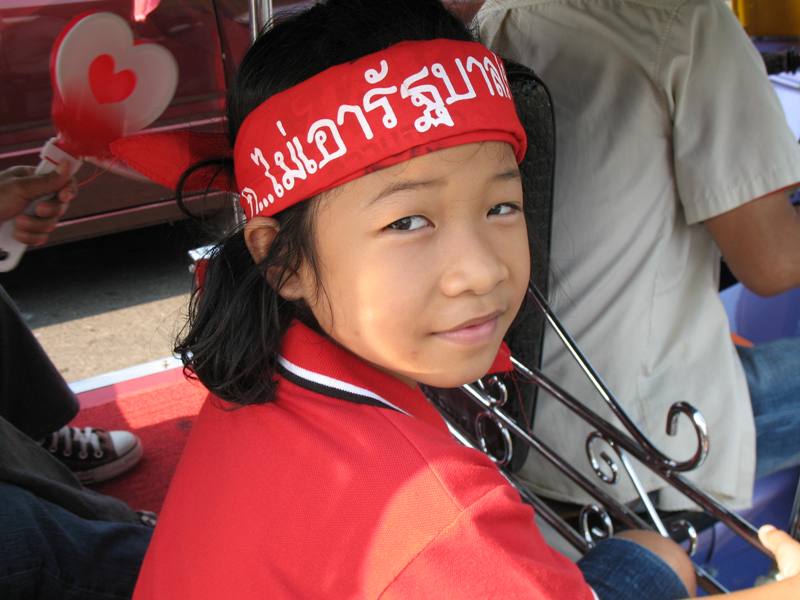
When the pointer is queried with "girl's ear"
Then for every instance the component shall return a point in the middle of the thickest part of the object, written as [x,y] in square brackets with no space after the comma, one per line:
[259,233]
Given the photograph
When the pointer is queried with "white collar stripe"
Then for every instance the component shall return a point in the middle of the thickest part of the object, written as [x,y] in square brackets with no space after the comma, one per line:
[333,383]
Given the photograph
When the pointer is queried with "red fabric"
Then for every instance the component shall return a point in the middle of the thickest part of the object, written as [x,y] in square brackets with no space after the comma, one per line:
[382,109]
[316,497]
[162,417]
[410,99]
[740,341]
[502,363]
[165,157]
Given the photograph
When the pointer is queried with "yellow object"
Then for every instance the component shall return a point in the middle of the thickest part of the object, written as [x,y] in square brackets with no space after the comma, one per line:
[769,17]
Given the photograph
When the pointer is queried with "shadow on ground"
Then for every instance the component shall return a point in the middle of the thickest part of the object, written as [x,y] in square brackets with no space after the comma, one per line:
[89,277]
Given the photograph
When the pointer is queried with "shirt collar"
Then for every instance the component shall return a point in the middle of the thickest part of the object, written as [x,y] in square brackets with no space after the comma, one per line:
[317,363]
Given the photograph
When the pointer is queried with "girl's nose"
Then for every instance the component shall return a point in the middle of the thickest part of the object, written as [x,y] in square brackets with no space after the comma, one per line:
[472,265]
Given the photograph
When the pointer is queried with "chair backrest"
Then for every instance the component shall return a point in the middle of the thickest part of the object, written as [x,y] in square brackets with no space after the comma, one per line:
[526,335]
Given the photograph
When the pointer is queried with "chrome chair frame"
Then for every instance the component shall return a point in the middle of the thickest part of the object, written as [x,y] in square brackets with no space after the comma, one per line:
[595,521]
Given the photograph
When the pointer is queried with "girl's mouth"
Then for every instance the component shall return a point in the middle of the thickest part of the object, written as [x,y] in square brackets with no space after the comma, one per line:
[474,331]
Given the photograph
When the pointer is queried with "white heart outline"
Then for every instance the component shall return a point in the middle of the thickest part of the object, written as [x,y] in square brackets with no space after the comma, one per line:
[107,33]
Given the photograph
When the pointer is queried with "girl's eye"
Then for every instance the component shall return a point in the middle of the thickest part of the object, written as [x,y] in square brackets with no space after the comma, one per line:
[506,208]
[409,223]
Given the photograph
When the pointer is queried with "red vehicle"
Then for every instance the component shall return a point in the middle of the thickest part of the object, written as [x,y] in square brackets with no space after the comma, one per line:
[207,39]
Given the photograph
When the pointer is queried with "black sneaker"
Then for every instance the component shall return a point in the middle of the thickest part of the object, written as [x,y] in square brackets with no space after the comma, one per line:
[94,455]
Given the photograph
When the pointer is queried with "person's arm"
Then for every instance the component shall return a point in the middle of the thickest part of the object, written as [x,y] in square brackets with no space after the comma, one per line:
[734,154]
[19,187]
[787,555]
[760,241]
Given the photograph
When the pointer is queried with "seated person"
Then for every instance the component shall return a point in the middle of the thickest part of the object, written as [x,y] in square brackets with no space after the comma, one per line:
[393,252]
[671,147]
[57,538]
[33,395]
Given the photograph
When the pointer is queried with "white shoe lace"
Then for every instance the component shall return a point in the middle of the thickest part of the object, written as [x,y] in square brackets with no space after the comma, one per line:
[74,436]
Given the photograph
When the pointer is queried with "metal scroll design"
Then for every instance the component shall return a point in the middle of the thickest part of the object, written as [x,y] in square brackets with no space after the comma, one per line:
[680,408]
[609,450]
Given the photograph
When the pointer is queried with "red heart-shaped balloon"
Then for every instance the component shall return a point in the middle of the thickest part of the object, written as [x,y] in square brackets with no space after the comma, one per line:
[108,86]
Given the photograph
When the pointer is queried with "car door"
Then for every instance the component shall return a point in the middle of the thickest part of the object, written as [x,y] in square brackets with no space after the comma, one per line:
[189,29]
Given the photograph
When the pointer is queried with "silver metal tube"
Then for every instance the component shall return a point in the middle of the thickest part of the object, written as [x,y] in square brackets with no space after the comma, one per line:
[620,511]
[743,528]
[597,382]
[629,442]
[617,509]
[260,14]
[642,493]
[542,509]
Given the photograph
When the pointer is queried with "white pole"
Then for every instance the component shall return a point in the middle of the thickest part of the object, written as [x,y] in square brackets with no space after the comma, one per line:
[260,15]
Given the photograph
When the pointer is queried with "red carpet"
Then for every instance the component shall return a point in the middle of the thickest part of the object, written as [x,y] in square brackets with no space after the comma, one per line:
[160,410]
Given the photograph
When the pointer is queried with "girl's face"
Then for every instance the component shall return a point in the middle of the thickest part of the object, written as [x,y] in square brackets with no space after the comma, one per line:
[423,265]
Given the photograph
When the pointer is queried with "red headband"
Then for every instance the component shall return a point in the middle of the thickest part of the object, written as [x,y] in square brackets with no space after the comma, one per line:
[384,108]
[349,120]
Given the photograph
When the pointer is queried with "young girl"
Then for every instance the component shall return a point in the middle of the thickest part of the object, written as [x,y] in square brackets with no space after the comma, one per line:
[375,149]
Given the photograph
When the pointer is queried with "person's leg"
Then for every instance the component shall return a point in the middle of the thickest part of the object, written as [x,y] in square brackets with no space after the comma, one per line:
[24,463]
[37,401]
[33,395]
[623,569]
[773,377]
[48,552]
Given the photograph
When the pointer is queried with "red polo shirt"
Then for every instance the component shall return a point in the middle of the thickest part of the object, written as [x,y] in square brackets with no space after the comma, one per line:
[348,485]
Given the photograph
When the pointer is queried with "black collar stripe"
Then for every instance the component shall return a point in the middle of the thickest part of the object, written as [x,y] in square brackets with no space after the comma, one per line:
[330,386]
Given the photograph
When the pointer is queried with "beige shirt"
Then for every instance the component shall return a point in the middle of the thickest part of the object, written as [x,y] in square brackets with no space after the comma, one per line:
[664,118]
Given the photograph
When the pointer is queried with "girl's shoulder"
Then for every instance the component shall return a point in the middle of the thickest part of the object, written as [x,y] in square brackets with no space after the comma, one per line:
[463,474]
[389,447]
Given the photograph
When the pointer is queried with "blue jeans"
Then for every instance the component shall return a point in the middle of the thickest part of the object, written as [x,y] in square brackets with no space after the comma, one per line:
[773,376]
[618,569]
[50,553]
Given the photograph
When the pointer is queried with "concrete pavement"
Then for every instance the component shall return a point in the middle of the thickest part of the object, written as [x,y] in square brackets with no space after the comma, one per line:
[105,304]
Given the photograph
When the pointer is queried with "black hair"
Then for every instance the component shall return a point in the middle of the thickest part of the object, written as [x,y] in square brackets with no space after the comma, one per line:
[237,319]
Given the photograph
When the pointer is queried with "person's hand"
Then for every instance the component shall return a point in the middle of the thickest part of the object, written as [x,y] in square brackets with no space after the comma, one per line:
[787,554]
[784,547]
[19,186]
